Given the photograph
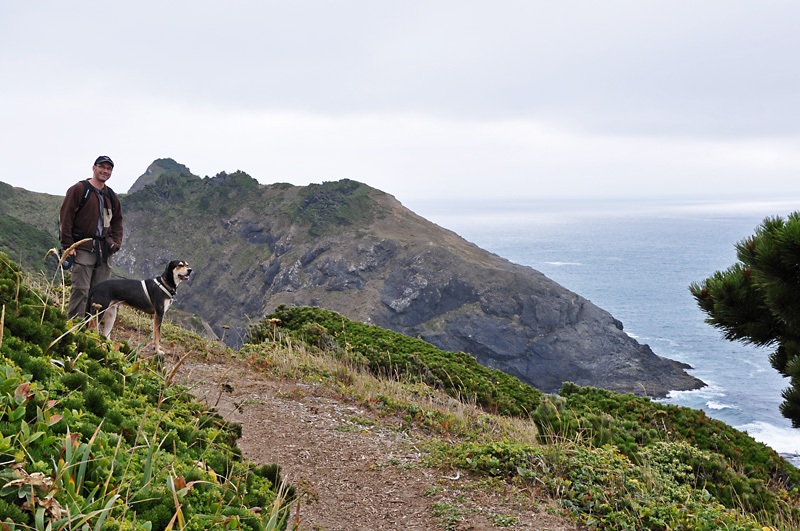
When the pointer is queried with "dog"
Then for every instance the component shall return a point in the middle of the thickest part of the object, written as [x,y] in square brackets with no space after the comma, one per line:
[152,296]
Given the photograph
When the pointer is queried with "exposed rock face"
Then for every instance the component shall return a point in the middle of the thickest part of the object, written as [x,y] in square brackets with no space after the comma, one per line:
[349,248]
[508,316]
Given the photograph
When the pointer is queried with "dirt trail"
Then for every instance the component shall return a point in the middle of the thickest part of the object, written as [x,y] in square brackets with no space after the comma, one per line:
[361,473]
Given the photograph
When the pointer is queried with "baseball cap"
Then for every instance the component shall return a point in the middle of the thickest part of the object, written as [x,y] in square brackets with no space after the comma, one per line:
[103,158]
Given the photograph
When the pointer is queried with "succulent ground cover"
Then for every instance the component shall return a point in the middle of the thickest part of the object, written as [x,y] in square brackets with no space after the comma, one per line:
[106,432]
[94,436]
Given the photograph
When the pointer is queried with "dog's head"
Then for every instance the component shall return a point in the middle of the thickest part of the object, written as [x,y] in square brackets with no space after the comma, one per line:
[177,271]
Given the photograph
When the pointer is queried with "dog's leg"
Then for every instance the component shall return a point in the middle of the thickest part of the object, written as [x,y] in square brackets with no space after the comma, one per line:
[94,311]
[157,333]
[108,319]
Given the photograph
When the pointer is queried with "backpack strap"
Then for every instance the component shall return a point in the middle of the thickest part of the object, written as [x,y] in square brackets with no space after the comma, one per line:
[87,191]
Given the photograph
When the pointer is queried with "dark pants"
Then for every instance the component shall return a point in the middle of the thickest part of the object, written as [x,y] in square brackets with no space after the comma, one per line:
[85,274]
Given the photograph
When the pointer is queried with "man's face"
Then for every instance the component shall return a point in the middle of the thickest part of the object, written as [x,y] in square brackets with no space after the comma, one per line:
[102,171]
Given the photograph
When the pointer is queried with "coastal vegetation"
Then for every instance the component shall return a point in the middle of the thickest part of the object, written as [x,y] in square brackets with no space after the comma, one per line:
[614,461]
[94,435]
[389,354]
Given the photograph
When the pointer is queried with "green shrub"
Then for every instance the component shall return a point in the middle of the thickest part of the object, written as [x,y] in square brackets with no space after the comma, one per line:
[604,489]
[75,381]
[395,355]
[638,422]
[95,401]
[12,514]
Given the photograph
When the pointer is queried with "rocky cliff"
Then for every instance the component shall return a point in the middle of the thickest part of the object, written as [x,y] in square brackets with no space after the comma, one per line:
[350,248]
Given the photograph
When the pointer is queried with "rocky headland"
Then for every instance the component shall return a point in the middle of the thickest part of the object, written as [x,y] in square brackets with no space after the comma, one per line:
[347,247]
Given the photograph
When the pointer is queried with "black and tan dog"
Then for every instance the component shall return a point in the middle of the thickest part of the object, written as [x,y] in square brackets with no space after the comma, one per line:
[152,296]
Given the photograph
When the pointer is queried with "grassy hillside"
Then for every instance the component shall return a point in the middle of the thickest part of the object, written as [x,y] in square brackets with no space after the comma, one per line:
[389,354]
[28,226]
[615,461]
[92,436]
[96,428]
[27,244]
[32,208]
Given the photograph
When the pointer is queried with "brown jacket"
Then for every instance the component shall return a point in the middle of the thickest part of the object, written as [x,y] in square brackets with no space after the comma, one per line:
[76,225]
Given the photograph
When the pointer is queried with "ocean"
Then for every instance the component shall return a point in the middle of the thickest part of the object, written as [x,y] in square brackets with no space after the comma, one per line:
[636,260]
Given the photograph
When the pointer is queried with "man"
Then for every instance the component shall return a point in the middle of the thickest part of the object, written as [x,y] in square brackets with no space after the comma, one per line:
[90,210]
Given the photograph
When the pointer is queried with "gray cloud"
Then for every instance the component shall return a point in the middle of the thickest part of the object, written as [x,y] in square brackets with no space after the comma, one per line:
[711,77]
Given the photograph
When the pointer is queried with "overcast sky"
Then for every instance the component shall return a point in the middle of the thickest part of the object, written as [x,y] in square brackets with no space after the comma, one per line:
[430,99]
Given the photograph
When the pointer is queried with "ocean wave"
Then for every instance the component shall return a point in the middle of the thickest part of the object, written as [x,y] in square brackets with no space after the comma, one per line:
[564,263]
[705,394]
[711,404]
[707,398]
[785,441]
